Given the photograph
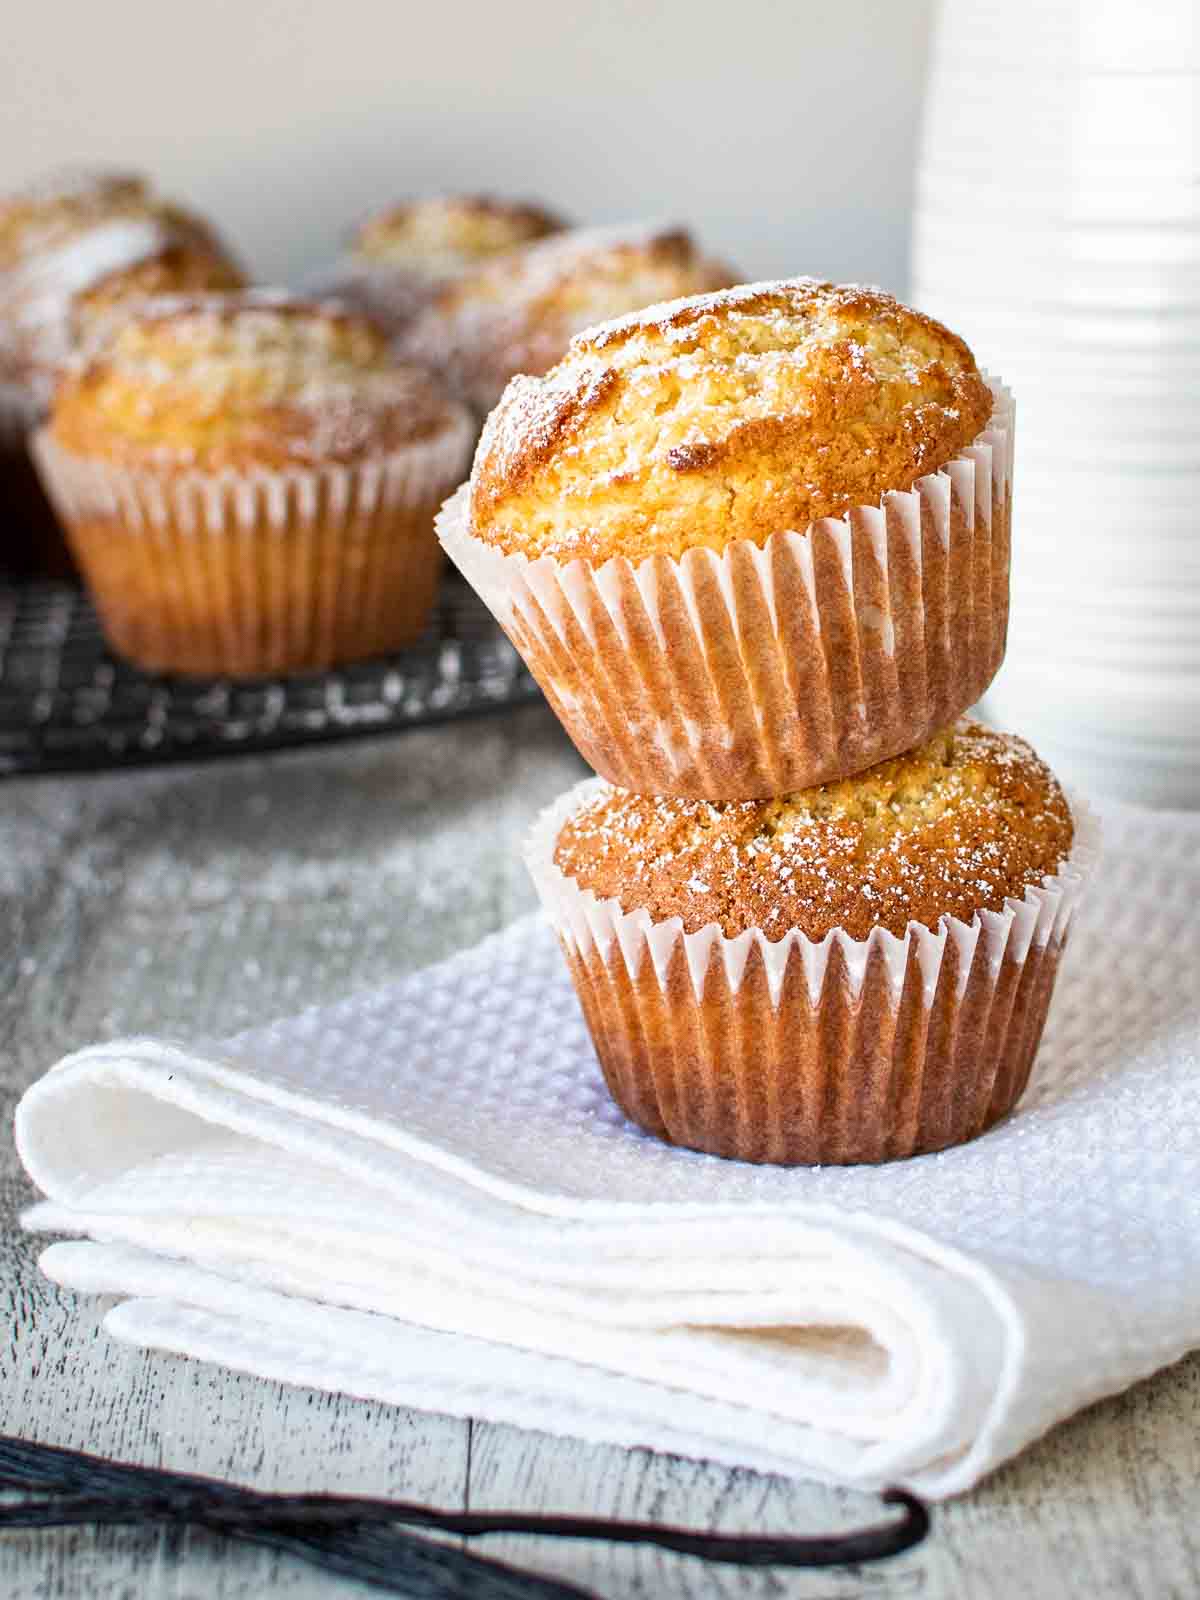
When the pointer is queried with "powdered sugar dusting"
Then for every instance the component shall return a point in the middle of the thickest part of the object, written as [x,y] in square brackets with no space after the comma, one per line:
[322,381]
[960,825]
[776,296]
[729,415]
[37,294]
[73,234]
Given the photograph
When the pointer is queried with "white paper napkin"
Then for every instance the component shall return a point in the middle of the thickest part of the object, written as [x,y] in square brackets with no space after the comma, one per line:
[424,1195]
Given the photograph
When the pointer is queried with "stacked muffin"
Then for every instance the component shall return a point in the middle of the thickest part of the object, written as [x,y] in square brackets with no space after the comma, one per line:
[754,545]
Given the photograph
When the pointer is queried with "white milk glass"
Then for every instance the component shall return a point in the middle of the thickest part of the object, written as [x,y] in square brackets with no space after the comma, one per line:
[1057,228]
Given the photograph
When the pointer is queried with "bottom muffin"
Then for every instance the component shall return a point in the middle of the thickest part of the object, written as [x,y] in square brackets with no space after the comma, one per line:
[853,973]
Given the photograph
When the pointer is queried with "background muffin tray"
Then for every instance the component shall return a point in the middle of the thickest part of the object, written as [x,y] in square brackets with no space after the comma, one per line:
[67,704]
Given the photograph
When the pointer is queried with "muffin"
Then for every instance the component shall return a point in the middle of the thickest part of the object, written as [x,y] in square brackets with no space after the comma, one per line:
[440,236]
[248,483]
[74,250]
[401,257]
[519,312]
[750,541]
[850,973]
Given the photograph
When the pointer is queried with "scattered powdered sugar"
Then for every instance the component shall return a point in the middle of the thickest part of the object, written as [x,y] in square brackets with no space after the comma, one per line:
[958,825]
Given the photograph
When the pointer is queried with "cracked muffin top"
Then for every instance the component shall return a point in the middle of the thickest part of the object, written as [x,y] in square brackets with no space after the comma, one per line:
[957,825]
[244,380]
[731,415]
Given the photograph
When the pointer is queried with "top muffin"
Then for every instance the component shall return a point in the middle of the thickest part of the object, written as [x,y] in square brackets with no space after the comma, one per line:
[518,312]
[244,380]
[76,247]
[733,415]
[443,235]
[967,820]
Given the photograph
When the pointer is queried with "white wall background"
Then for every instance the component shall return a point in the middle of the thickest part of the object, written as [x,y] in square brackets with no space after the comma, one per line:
[784,130]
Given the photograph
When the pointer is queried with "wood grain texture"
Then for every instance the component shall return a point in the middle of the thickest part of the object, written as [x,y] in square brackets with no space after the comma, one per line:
[199,899]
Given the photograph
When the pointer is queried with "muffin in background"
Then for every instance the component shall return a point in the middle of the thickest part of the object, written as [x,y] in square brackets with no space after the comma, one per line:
[441,236]
[852,973]
[519,312]
[76,248]
[748,541]
[400,257]
[248,483]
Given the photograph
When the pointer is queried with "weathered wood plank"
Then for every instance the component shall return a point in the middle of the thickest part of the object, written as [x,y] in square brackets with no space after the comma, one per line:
[196,901]
[65,1382]
[1106,1505]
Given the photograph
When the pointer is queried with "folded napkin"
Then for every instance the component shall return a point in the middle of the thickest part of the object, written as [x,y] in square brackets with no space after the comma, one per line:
[423,1194]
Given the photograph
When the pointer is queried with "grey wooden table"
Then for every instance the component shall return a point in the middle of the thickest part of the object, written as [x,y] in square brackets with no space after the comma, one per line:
[197,899]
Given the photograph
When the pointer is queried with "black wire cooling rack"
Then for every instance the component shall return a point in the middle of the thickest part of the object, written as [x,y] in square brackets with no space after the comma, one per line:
[68,705]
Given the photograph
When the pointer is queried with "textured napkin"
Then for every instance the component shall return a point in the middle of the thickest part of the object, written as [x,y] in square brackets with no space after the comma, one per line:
[423,1194]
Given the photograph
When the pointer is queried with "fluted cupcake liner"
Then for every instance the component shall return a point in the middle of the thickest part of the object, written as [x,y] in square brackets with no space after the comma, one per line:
[798,1052]
[769,668]
[258,572]
[32,543]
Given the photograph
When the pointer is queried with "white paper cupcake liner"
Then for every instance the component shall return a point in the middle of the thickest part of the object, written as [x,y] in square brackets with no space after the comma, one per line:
[802,1052]
[258,572]
[770,668]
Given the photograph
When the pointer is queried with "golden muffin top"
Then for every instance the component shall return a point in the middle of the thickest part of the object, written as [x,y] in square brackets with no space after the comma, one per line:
[75,247]
[518,312]
[446,233]
[955,826]
[726,416]
[244,380]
